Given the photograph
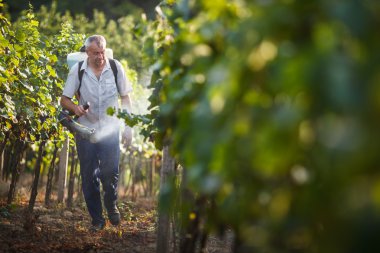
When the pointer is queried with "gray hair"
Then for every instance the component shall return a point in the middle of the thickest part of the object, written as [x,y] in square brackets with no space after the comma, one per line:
[99,39]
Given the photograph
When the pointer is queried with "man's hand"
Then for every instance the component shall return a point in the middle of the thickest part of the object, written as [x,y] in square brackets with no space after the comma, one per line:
[67,104]
[126,137]
[79,110]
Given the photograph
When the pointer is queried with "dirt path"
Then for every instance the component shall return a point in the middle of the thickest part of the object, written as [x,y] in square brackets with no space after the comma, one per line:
[59,229]
[66,230]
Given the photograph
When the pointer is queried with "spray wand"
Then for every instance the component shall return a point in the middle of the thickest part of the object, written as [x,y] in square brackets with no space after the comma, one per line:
[66,118]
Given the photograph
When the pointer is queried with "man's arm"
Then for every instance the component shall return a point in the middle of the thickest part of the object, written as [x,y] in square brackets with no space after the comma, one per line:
[69,105]
[127,133]
[126,103]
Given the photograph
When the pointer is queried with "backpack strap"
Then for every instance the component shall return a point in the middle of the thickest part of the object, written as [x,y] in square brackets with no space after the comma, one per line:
[81,72]
[114,69]
[80,75]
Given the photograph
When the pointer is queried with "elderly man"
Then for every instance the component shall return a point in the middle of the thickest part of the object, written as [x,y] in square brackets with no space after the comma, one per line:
[99,156]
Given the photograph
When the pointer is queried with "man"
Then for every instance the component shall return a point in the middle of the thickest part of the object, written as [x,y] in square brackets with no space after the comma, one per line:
[99,157]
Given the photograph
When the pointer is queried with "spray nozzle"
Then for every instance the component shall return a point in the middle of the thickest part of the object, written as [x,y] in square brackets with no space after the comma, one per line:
[86,105]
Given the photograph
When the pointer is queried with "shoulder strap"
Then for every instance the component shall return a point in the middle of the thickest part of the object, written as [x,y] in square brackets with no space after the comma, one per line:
[80,75]
[114,69]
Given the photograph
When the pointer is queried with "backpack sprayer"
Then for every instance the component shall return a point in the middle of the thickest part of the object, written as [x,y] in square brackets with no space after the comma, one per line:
[67,119]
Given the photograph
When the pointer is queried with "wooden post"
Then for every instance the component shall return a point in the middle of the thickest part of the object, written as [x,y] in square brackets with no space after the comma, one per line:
[63,160]
[37,172]
[151,170]
[49,183]
[2,146]
[163,230]
[70,191]
[15,169]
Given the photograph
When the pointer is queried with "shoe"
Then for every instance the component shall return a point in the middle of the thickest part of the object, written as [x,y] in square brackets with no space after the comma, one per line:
[114,216]
[97,227]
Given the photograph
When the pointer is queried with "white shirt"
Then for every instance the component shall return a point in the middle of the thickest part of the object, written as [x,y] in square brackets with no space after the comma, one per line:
[101,94]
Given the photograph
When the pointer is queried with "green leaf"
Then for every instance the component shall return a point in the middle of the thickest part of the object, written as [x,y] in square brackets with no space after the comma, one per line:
[21,36]
[34,23]
[3,42]
[111,111]
[51,71]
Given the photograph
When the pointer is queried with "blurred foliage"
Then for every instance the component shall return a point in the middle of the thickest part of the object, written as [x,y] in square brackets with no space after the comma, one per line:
[125,32]
[113,9]
[273,108]
[125,36]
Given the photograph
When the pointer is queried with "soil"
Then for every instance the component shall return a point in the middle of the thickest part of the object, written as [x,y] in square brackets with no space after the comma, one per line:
[61,229]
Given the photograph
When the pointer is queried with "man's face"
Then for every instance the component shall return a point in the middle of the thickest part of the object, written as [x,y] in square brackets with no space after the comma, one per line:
[96,54]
